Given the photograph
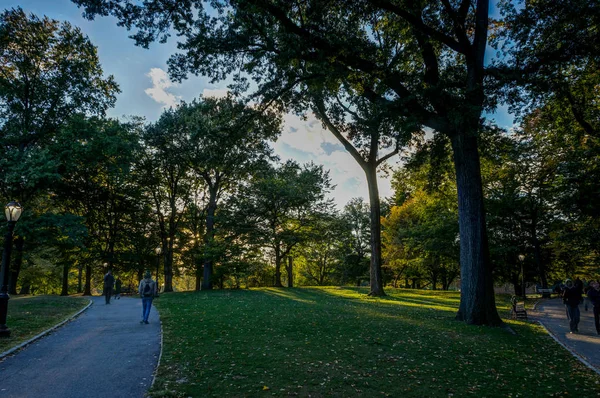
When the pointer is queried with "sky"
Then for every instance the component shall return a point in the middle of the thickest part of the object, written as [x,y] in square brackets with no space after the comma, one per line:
[146,90]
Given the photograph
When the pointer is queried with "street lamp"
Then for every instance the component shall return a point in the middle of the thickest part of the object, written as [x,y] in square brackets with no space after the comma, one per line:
[13,212]
[522,260]
[158,251]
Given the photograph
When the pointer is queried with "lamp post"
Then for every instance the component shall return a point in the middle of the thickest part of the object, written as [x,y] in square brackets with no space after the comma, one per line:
[158,251]
[13,212]
[522,260]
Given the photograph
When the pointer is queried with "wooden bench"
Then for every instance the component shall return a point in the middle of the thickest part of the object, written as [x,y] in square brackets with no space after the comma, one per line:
[518,310]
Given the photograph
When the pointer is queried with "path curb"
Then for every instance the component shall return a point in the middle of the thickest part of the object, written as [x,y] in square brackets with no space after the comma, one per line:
[159,356]
[576,355]
[45,332]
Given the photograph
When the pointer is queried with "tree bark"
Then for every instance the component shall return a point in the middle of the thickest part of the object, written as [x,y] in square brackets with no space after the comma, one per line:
[65,280]
[537,256]
[376,275]
[79,279]
[208,239]
[477,301]
[87,291]
[290,271]
[278,266]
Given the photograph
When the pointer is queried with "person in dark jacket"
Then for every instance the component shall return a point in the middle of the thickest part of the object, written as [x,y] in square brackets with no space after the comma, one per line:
[572,297]
[109,282]
[594,298]
[118,289]
[147,291]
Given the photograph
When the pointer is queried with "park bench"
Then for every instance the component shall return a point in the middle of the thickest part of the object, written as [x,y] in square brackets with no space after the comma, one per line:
[518,310]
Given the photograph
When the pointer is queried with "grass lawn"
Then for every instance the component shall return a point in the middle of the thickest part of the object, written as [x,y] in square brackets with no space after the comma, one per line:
[31,315]
[339,342]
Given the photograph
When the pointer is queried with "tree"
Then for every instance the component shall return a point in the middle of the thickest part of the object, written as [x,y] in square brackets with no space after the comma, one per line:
[49,71]
[321,257]
[356,215]
[421,231]
[280,207]
[421,62]
[96,158]
[554,57]
[165,171]
[228,141]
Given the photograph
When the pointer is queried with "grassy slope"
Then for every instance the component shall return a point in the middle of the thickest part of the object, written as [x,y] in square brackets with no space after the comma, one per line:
[340,342]
[29,316]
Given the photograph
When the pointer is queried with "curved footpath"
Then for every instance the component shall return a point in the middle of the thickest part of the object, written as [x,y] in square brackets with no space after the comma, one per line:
[585,344]
[105,352]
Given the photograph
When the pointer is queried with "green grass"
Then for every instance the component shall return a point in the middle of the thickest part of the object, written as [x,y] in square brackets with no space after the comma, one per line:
[31,315]
[338,342]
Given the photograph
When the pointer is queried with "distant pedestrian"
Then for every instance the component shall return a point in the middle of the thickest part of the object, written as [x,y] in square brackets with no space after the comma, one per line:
[147,290]
[594,297]
[109,282]
[572,297]
[118,289]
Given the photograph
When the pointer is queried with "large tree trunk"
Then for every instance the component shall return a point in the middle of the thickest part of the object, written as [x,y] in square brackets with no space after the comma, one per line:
[208,239]
[537,255]
[65,280]
[15,269]
[79,279]
[168,267]
[290,271]
[477,301]
[199,271]
[87,291]
[278,266]
[376,275]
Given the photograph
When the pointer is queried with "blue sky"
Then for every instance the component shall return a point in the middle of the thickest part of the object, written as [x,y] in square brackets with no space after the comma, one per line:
[146,90]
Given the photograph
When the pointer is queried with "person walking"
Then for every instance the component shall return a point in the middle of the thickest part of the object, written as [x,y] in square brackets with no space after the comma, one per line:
[572,297]
[147,290]
[109,282]
[118,289]
[594,297]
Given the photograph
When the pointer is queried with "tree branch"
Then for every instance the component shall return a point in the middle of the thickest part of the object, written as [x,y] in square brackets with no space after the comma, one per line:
[320,111]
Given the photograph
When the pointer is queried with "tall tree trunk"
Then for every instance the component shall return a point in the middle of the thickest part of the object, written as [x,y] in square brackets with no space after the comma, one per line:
[87,291]
[375,271]
[79,279]
[15,268]
[168,267]
[199,271]
[537,255]
[208,240]
[290,271]
[278,266]
[65,280]
[477,301]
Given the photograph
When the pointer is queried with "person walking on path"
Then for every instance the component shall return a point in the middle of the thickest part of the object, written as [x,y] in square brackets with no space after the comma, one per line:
[109,282]
[594,297]
[572,297]
[118,289]
[147,290]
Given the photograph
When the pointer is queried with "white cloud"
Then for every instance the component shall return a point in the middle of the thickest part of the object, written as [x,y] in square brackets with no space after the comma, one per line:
[215,92]
[158,92]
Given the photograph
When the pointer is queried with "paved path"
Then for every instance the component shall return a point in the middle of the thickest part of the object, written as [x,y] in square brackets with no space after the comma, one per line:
[586,343]
[105,352]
